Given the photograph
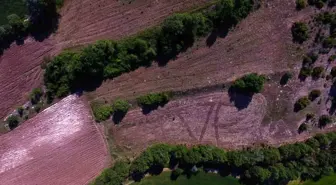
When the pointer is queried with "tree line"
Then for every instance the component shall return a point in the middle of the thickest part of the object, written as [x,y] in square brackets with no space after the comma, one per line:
[311,159]
[106,59]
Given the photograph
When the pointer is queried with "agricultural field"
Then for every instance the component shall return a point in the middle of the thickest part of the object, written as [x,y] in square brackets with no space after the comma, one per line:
[61,137]
[9,7]
[200,178]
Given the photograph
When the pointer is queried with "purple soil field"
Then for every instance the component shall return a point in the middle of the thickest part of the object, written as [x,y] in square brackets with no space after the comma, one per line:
[61,145]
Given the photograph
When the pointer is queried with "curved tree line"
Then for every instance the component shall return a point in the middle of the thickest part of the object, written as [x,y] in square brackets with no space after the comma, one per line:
[311,159]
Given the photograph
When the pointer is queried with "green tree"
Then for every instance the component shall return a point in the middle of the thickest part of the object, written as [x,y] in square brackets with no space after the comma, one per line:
[36,95]
[301,103]
[12,121]
[317,72]
[300,32]
[324,120]
[301,4]
[314,94]
[249,84]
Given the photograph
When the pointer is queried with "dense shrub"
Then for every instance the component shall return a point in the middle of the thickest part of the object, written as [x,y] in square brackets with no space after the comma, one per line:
[310,116]
[176,173]
[301,103]
[324,120]
[314,94]
[115,175]
[120,108]
[20,111]
[35,95]
[101,111]
[153,100]
[249,84]
[300,4]
[329,42]
[317,72]
[305,72]
[12,121]
[300,32]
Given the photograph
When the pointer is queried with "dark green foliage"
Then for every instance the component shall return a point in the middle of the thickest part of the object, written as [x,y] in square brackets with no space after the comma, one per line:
[37,107]
[12,121]
[85,70]
[325,17]
[324,120]
[179,32]
[120,108]
[333,71]
[329,42]
[35,95]
[314,94]
[256,175]
[317,72]
[249,84]
[302,128]
[176,173]
[301,103]
[310,116]
[300,4]
[285,78]
[20,111]
[153,100]
[115,175]
[305,72]
[300,32]
[101,111]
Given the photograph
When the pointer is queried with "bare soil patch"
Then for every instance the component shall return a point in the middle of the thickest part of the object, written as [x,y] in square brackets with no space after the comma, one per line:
[81,22]
[61,145]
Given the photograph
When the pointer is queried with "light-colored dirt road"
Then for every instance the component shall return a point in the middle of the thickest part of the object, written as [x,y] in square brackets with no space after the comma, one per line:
[59,146]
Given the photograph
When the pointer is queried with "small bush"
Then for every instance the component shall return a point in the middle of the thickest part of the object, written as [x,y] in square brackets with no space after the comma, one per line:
[38,107]
[314,94]
[329,42]
[319,4]
[285,78]
[249,84]
[300,32]
[101,112]
[153,100]
[120,108]
[324,120]
[301,103]
[310,116]
[305,72]
[333,71]
[317,72]
[331,58]
[13,122]
[20,111]
[36,95]
[300,4]
[303,127]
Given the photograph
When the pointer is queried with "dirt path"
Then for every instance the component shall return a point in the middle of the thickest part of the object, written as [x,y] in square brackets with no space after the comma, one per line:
[61,145]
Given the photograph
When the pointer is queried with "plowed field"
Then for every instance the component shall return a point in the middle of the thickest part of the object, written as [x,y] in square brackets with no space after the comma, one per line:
[59,146]
[81,22]
[205,119]
[261,43]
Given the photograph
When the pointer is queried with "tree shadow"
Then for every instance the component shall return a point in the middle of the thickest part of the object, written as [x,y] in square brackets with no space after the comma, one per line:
[240,100]
[149,108]
[137,176]
[212,38]
[155,170]
[44,28]
[118,116]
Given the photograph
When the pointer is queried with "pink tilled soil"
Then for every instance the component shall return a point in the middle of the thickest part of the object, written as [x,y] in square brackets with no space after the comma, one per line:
[82,22]
[60,146]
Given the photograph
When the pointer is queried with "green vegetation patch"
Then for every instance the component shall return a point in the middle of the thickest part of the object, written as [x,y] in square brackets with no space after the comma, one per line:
[200,178]
[101,111]
[9,7]
[300,32]
[327,180]
[249,84]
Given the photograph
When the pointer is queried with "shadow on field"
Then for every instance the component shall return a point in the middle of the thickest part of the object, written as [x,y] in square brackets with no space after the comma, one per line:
[240,101]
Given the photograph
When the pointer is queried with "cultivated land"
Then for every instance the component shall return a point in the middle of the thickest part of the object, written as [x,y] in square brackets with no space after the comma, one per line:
[81,22]
[261,43]
[61,145]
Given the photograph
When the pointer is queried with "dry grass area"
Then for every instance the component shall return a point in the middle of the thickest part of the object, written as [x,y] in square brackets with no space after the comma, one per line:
[261,43]
[61,145]
[81,22]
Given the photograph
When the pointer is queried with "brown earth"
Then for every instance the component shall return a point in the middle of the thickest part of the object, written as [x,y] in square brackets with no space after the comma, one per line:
[261,43]
[61,145]
[81,22]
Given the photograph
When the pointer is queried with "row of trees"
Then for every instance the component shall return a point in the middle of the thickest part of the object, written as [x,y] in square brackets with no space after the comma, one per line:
[103,112]
[267,165]
[42,20]
[71,71]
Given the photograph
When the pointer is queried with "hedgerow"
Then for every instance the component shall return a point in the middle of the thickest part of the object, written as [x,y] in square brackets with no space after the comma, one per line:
[86,69]
[267,165]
